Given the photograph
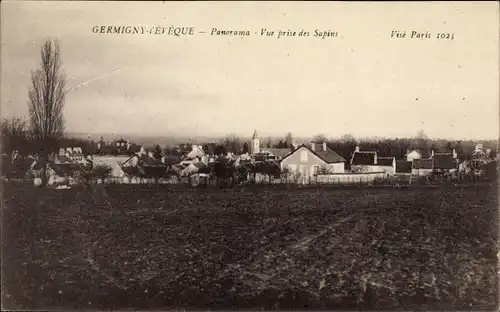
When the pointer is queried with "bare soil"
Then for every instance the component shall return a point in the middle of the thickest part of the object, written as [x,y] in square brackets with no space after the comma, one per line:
[159,248]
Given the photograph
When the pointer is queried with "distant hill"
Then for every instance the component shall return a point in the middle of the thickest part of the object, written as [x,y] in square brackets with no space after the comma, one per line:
[150,140]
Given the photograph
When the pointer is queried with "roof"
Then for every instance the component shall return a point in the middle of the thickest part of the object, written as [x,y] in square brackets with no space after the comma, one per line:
[443,150]
[64,159]
[363,158]
[172,160]
[385,161]
[424,153]
[64,169]
[146,160]
[279,152]
[403,166]
[255,136]
[444,162]
[328,156]
[425,163]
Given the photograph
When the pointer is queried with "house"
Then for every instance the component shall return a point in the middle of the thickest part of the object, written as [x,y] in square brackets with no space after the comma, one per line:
[115,163]
[444,163]
[416,154]
[444,151]
[71,155]
[422,167]
[117,148]
[275,153]
[309,161]
[192,169]
[196,151]
[369,161]
[403,167]
[56,173]
[16,167]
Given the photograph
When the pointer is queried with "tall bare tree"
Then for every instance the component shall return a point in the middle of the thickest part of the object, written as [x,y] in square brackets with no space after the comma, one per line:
[46,101]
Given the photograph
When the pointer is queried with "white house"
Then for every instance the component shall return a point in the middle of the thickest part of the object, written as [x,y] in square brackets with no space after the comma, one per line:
[369,161]
[308,161]
[413,154]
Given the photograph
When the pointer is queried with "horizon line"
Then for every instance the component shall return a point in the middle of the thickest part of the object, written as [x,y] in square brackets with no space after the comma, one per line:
[222,135]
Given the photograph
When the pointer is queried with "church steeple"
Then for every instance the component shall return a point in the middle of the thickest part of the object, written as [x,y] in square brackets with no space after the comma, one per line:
[255,143]
[255,136]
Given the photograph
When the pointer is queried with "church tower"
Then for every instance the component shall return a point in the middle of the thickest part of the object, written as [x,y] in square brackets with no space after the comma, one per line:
[255,143]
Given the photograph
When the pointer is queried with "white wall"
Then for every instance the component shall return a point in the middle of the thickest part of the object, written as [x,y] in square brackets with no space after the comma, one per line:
[348,178]
[421,172]
[337,167]
[413,155]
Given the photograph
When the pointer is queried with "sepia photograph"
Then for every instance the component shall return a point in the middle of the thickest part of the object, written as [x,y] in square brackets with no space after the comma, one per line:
[270,155]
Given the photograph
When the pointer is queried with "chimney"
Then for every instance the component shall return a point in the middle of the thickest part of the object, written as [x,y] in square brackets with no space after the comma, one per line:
[455,154]
[357,149]
[375,159]
[313,146]
[324,146]
[432,153]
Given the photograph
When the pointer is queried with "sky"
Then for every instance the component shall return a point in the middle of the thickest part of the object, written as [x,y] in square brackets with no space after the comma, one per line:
[362,82]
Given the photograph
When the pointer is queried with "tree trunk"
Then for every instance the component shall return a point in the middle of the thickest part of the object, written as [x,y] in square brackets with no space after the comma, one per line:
[43,159]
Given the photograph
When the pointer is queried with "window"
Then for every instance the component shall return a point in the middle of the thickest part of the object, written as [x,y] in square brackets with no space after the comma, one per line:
[315,170]
[303,156]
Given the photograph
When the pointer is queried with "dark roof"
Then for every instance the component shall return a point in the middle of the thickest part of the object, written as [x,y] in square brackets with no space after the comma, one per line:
[134,148]
[329,156]
[146,160]
[403,166]
[443,151]
[278,152]
[425,163]
[385,161]
[172,160]
[199,165]
[64,169]
[64,159]
[363,158]
[205,169]
[444,162]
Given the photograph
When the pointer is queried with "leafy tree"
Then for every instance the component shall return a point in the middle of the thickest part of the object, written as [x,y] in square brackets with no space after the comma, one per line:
[220,150]
[157,153]
[101,171]
[46,101]
[156,172]
[269,142]
[320,138]
[131,172]
[232,143]
[245,148]
[285,173]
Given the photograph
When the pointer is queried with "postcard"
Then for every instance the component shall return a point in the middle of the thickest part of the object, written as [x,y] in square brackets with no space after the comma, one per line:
[249,155]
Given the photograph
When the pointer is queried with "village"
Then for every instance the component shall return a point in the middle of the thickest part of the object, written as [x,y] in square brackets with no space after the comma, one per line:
[314,162]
